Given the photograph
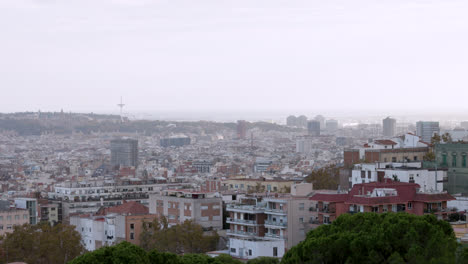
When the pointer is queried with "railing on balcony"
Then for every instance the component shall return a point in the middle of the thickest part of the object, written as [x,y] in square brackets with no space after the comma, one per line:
[242,233]
[313,209]
[328,210]
[269,222]
[271,235]
[270,210]
[241,221]
[245,207]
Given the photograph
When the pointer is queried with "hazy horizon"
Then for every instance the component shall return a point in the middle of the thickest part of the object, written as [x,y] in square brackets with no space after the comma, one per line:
[234,56]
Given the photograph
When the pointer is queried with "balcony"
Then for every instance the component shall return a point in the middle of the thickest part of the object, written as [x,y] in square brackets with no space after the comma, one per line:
[277,224]
[274,236]
[241,221]
[328,210]
[313,209]
[245,208]
[275,211]
[241,233]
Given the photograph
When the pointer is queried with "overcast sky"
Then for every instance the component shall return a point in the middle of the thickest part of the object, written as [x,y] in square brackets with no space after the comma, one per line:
[233,55]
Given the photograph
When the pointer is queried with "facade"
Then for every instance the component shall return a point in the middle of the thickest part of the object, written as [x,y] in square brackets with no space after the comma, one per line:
[389,127]
[257,185]
[89,196]
[124,152]
[241,129]
[428,179]
[453,157]
[112,225]
[175,141]
[313,127]
[427,129]
[269,225]
[50,212]
[179,205]
[11,217]
[32,206]
[381,197]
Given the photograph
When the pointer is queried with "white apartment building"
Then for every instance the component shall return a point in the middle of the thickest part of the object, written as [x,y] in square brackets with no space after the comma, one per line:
[411,172]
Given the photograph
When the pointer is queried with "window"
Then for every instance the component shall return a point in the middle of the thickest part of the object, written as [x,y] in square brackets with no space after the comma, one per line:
[464,161]
[410,206]
[301,219]
[1,218]
[269,187]
[132,236]
[204,207]
[415,158]
[233,250]
[301,207]
[393,159]
[275,251]
[275,189]
[17,217]
[454,160]
[9,217]
[250,252]
[444,159]
[242,186]
[1,227]
[375,209]
[215,207]
[363,174]
[369,174]
[132,226]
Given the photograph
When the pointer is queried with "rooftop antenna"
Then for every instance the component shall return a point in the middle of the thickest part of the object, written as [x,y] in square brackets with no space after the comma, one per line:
[121,105]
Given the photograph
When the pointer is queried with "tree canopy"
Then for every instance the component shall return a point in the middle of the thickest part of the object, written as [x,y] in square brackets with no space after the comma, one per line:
[41,244]
[324,178]
[378,238]
[184,238]
[125,252]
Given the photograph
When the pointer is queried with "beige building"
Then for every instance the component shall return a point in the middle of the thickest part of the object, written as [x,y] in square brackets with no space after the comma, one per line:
[257,185]
[180,205]
[12,217]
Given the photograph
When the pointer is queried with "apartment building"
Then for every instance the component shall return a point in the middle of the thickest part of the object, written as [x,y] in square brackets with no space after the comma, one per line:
[10,217]
[411,172]
[257,185]
[380,197]
[204,208]
[110,226]
[89,196]
[264,225]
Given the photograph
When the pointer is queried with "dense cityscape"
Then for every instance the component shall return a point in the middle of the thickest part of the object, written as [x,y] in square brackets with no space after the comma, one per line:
[254,188]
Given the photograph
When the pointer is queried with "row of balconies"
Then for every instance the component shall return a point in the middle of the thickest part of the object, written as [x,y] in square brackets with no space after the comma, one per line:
[241,221]
[273,223]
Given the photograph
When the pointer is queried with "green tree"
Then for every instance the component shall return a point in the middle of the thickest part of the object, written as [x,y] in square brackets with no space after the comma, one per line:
[447,138]
[377,238]
[435,139]
[184,238]
[121,253]
[429,156]
[41,244]
[264,260]
[324,178]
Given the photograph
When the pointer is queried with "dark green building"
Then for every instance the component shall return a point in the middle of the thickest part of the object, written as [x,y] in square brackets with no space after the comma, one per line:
[453,157]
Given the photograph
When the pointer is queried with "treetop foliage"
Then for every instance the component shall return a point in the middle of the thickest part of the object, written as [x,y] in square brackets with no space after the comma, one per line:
[378,238]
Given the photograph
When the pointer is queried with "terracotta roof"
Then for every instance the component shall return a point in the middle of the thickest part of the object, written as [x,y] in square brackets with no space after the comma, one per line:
[127,208]
[406,192]
[385,142]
